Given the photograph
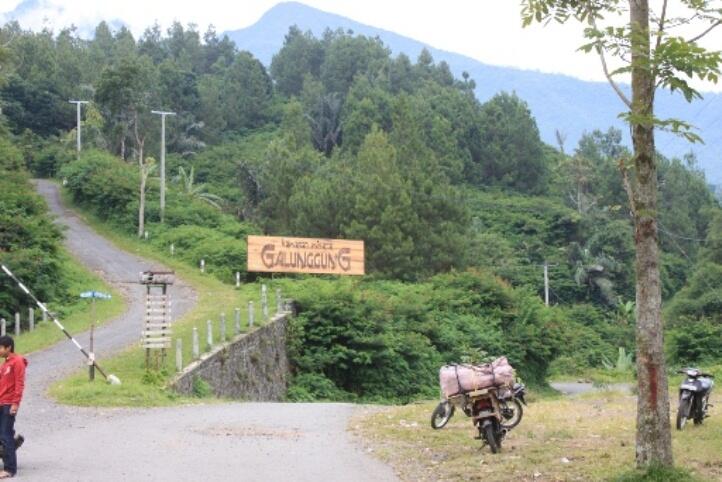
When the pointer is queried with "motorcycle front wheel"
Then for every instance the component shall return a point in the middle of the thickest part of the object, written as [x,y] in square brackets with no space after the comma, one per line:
[700,412]
[511,413]
[683,412]
[441,415]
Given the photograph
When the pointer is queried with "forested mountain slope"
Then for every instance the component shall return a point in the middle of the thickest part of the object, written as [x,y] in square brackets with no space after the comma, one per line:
[557,102]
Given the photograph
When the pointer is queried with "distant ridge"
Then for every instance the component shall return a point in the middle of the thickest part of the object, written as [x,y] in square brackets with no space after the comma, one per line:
[557,101]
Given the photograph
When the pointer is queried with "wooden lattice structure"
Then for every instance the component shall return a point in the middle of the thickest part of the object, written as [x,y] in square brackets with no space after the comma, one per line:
[156,334]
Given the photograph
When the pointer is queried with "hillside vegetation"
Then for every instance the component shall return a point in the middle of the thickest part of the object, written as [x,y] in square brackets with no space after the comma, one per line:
[460,203]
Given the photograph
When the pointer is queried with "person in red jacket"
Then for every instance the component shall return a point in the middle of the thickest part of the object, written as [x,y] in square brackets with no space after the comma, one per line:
[12,384]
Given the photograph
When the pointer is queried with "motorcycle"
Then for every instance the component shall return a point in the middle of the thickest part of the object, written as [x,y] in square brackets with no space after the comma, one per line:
[694,397]
[493,411]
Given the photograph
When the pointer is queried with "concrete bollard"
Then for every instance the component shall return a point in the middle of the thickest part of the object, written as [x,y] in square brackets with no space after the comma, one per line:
[223,328]
[172,249]
[238,321]
[279,301]
[145,235]
[31,319]
[17,324]
[179,355]
[203,266]
[251,314]
[3,326]
[196,344]
[264,301]
[209,339]
[238,279]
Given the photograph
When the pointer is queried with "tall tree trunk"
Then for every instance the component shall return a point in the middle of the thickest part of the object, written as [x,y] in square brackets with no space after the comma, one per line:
[140,143]
[654,444]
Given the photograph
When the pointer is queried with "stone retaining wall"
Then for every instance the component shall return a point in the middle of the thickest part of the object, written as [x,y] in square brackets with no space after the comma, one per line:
[253,366]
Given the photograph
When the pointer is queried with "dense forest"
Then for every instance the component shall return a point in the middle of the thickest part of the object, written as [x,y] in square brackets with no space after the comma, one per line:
[459,202]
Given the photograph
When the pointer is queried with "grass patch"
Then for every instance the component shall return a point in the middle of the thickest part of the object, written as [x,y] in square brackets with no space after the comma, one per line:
[75,315]
[138,388]
[657,474]
[584,438]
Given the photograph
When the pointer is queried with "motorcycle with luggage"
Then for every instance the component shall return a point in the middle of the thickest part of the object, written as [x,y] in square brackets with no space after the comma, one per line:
[485,393]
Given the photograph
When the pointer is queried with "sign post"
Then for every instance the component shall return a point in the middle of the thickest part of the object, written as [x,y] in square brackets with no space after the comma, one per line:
[93,295]
[157,329]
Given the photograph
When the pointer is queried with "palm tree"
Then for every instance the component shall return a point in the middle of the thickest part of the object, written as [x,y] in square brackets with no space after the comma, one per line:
[196,191]
[596,271]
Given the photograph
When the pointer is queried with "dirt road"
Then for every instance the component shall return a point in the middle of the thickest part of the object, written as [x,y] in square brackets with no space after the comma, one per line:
[234,441]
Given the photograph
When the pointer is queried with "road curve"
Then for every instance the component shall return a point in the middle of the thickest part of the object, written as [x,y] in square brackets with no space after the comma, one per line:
[233,441]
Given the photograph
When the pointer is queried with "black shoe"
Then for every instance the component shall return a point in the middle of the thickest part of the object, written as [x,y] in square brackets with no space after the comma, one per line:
[19,441]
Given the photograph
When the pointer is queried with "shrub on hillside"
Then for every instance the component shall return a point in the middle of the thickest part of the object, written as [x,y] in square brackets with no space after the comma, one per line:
[49,159]
[386,340]
[103,182]
[223,254]
[28,245]
[694,341]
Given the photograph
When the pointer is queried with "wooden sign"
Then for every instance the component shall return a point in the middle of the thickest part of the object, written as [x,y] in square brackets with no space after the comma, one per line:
[271,254]
[157,328]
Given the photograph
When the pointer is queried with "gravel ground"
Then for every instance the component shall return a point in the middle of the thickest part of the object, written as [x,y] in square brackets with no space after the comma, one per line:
[231,441]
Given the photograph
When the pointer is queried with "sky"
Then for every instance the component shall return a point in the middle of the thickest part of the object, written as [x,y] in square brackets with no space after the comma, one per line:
[486,30]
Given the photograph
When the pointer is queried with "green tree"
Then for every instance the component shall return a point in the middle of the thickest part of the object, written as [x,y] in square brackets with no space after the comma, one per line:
[658,58]
[382,212]
[511,150]
[347,56]
[302,54]
[124,94]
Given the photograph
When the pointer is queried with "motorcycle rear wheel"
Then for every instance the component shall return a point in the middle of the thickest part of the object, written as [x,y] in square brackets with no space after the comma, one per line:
[683,412]
[491,438]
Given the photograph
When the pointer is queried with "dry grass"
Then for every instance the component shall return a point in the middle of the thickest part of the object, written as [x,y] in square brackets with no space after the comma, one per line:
[585,438]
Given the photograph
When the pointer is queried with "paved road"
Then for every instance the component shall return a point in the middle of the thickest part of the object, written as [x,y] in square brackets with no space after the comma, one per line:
[578,388]
[234,441]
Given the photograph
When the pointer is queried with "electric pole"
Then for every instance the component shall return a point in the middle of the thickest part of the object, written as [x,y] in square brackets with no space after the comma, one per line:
[78,104]
[162,115]
[546,283]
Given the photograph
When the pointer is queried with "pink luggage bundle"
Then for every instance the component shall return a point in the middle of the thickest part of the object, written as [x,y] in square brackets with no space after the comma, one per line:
[455,379]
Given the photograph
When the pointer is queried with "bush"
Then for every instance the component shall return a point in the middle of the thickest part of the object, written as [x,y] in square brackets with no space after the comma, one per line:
[384,340]
[29,245]
[105,183]
[223,254]
[49,159]
[694,341]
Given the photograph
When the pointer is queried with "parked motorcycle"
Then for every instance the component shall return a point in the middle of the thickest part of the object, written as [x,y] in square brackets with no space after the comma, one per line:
[493,411]
[694,397]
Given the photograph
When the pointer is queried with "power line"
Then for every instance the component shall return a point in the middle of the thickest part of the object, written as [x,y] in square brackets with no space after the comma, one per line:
[668,233]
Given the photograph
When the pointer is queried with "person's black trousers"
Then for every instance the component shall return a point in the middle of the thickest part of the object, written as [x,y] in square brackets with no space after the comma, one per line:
[7,438]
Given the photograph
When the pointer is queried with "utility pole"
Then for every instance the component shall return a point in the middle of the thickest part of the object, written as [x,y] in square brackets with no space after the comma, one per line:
[78,104]
[546,283]
[162,115]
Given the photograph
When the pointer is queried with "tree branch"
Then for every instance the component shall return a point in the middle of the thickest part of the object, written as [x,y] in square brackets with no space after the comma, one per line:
[711,27]
[662,19]
[609,77]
